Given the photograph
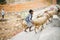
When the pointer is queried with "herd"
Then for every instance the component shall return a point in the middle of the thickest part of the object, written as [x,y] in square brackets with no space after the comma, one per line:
[42,19]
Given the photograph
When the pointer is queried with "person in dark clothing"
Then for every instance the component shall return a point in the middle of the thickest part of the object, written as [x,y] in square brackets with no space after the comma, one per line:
[29,20]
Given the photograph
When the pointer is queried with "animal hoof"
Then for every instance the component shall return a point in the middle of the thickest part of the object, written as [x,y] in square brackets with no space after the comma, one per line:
[35,32]
[25,30]
[41,29]
[30,30]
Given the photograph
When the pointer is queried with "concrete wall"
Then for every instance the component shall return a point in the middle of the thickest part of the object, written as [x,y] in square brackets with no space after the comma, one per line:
[23,1]
[17,1]
[10,1]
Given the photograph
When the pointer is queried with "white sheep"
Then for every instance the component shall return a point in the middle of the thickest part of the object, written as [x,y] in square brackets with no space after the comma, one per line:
[39,22]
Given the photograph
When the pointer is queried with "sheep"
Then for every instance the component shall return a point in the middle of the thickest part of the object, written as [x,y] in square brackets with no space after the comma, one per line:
[50,13]
[54,10]
[48,16]
[39,22]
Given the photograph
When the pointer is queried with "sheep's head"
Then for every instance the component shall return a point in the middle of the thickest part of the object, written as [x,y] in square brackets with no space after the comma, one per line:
[47,14]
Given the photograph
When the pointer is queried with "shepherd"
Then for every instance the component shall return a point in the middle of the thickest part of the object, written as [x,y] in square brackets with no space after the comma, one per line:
[28,20]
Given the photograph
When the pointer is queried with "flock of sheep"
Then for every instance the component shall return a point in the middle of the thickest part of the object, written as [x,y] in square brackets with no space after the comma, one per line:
[40,20]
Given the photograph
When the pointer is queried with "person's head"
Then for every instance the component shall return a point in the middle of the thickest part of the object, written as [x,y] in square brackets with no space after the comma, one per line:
[31,11]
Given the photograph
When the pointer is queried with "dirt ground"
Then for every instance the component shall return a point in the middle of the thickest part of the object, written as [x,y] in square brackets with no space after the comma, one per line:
[10,26]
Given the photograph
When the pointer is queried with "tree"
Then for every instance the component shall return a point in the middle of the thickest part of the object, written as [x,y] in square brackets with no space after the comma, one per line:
[58,1]
[2,2]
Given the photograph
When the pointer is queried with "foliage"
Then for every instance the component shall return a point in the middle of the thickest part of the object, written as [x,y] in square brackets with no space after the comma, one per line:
[2,2]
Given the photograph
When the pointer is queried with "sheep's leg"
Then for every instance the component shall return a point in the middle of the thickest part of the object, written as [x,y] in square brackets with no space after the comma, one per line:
[26,29]
[51,19]
[42,28]
[35,30]
[47,22]
[30,28]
